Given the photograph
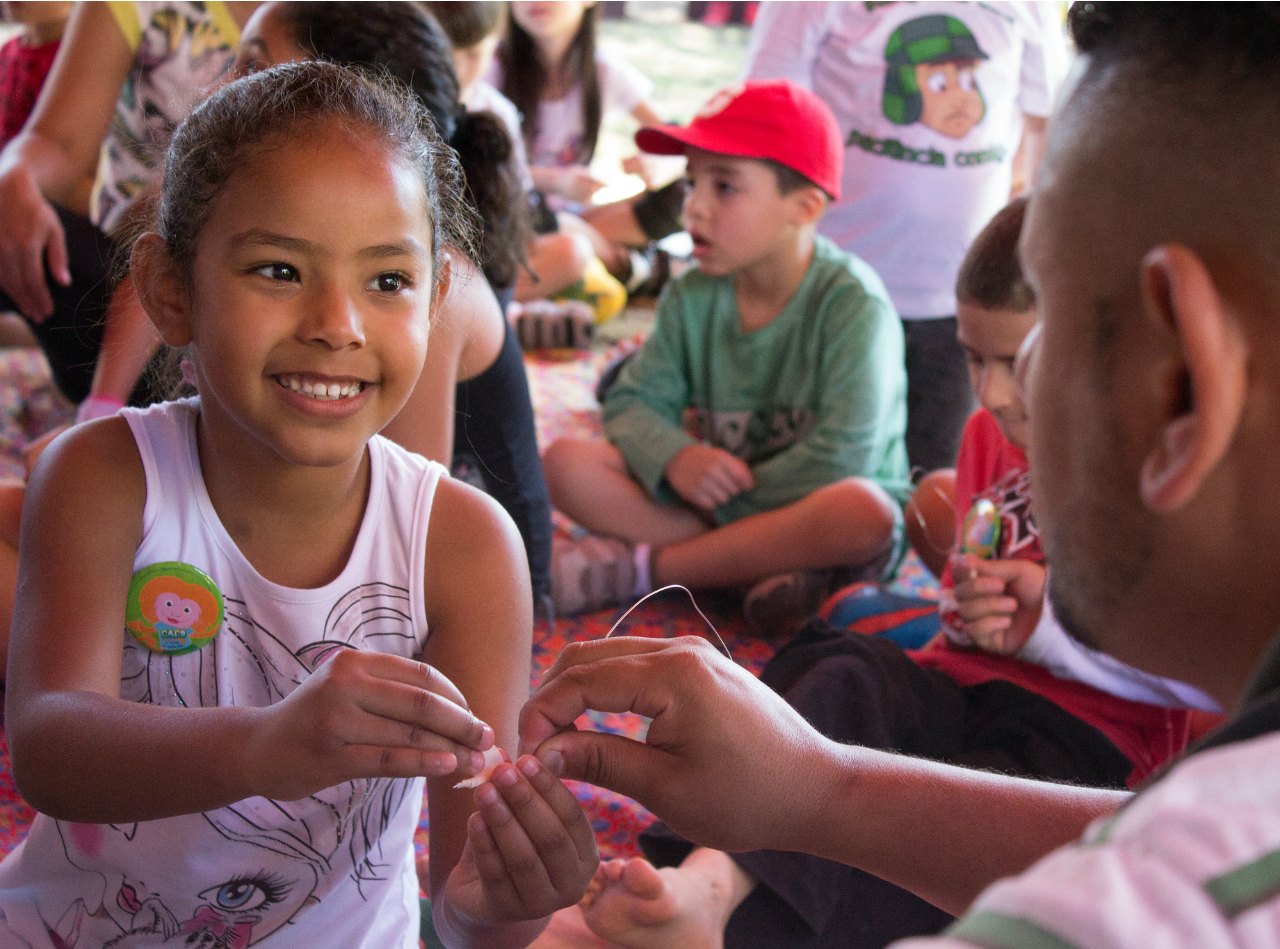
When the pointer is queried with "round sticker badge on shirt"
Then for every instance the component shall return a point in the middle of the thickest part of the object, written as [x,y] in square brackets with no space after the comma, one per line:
[173,608]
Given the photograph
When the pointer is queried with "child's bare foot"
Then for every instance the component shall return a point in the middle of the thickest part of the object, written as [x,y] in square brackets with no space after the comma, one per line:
[568,930]
[641,907]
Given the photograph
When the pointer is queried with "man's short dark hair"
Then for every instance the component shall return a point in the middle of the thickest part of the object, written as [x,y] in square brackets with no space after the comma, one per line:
[1237,42]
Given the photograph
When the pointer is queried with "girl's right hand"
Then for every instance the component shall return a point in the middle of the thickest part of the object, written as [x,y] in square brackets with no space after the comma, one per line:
[364,715]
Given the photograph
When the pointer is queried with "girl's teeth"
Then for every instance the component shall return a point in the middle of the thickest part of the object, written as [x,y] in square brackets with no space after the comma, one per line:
[322,391]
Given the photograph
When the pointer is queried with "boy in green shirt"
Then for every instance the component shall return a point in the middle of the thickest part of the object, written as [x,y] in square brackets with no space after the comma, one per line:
[757,436]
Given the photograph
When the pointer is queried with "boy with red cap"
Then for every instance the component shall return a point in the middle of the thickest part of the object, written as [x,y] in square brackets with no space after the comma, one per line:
[756,439]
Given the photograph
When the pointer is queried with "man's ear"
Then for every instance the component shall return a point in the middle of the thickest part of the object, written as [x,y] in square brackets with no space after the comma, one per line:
[161,288]
[1178,289]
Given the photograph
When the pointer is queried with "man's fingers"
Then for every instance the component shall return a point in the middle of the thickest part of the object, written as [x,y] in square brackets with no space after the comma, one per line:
[613,675]
[576,654]
[609,761]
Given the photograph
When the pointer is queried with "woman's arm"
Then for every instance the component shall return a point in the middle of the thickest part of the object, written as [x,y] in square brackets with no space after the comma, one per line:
[56,151]
[645,114]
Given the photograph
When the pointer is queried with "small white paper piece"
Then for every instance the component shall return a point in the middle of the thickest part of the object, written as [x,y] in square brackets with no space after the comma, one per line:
[492,758]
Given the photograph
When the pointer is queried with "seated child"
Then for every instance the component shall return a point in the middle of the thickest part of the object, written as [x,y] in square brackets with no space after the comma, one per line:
[565,86]
[977,698]
[554,260]
[287,626]
[758,433]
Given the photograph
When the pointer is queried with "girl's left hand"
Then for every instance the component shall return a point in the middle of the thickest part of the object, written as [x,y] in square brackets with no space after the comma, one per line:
[530,849]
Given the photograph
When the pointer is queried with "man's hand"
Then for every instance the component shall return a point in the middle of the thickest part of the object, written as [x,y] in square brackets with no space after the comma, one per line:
[724,751]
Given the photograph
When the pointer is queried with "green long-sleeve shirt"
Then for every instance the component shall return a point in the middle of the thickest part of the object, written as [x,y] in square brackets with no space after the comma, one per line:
[817,395]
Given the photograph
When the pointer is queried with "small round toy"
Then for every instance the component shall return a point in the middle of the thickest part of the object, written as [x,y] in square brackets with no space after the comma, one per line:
[173,608]
[981,530]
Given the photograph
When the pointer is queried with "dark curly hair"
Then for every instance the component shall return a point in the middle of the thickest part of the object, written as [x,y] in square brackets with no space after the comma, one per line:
[405,41]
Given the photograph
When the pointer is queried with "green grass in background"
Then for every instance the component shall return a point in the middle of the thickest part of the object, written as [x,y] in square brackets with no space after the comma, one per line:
[686,61]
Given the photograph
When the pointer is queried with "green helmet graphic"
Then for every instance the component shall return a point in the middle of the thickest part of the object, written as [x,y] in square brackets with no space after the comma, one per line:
[930,39]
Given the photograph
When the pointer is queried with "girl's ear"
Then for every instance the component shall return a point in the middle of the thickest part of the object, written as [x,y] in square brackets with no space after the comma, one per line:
[161,289]
[443,279]
[1198,429]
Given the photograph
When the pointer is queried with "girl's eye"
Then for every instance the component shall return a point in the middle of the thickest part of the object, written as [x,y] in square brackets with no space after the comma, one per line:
[278,271]
[391,282]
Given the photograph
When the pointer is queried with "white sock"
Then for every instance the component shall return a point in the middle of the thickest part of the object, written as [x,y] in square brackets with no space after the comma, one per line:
[644,583]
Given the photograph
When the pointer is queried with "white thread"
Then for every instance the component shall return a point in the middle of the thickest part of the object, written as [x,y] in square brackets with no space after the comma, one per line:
[697,609]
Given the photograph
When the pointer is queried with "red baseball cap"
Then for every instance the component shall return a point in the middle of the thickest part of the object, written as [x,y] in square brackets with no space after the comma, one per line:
[769,118]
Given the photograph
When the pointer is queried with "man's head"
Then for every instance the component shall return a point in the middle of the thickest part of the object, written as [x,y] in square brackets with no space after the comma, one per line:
[1153,246]
[474,30]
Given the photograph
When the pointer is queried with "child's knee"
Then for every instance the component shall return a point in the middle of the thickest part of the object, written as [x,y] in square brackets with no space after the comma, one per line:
[568,462]
[931,516]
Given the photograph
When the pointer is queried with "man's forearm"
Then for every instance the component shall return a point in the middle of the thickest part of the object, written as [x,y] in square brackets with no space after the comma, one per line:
[943,832]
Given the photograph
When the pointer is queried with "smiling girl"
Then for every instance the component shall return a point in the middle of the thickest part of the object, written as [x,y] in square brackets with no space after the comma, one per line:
[374,614]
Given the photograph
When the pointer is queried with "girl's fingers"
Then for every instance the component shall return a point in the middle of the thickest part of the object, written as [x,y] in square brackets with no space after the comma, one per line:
[540,832]
[411,672]
[521,866]
[567,812]
[368,761]
[553,819]
[412,694]
[490,866]
[413,711]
